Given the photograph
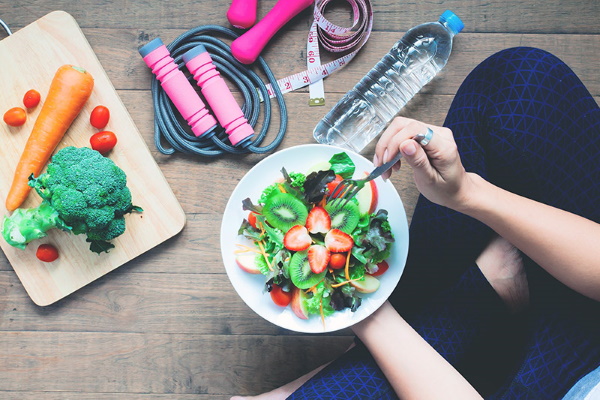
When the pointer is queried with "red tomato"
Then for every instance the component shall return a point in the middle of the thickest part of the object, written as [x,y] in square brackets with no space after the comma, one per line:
[15,116]
[382,267]
[252,219]
[46,253]
[280,297]
[103,142]
[99,117]
[31,98]
[337,260]
[333,184]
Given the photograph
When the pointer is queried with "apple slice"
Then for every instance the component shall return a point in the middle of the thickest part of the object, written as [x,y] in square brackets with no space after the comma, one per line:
[298,303]
[320,166]
[247,262]
[368,285]
[367,198]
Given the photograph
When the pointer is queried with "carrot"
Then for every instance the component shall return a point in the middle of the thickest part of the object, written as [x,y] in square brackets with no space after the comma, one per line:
[69,90]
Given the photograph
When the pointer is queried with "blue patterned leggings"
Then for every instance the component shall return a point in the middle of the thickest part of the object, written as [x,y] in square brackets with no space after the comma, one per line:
[525,122]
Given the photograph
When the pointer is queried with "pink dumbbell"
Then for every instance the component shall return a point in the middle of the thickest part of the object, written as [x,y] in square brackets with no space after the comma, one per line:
[178,88]
[217,94]
[248,47]
[242,13]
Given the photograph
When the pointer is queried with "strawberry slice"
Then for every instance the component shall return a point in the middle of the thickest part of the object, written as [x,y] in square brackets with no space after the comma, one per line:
[318,221]
[338,241]
[318,258]
[297,238]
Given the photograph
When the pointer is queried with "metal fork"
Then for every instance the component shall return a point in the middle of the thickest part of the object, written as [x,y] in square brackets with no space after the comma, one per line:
[348,188]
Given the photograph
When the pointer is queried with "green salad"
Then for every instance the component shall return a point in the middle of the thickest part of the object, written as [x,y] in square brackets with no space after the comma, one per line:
[317,256]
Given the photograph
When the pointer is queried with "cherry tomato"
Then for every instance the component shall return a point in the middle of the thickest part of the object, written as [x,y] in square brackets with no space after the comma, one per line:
[103,142]
[99,117]
[31,98]
[280,297]
[382,267]
[15,116]
[46,253]
[333,184]
[252,219]
[337,260]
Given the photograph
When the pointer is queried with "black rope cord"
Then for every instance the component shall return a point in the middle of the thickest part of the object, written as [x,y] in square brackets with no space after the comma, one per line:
[167,126]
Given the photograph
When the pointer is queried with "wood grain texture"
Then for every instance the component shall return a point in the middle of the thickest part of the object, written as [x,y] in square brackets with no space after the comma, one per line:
[168,325]
[57,39]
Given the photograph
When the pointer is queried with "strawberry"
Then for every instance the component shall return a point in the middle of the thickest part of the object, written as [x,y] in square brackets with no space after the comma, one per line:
[338,241]
[318,258]
[318,221]
[297,238]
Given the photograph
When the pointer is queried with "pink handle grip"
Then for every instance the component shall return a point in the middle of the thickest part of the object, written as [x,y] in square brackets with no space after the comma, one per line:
[248,47]
[242,13]
[217,94]
[178,88]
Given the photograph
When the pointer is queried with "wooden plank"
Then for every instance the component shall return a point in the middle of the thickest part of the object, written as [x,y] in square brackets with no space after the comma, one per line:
[62,395]
[128,301]
[117,51]
[158,363]
[552,16]
[57,39]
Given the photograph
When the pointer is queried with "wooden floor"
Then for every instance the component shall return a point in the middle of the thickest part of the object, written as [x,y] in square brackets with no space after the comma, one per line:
[169,325]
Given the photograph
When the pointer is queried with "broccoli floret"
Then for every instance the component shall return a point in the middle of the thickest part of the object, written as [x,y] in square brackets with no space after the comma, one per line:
[82,192]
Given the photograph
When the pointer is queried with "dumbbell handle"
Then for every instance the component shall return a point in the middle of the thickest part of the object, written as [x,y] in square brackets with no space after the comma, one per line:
[242,13]
[248,47]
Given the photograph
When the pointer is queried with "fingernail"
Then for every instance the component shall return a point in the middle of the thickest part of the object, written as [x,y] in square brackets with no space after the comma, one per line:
[376,160]
[385,156]
[409,149]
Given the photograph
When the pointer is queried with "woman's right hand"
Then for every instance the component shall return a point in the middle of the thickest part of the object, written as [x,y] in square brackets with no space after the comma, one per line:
[438,171]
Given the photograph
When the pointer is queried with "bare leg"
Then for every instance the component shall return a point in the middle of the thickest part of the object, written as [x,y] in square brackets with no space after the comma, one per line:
[502,266]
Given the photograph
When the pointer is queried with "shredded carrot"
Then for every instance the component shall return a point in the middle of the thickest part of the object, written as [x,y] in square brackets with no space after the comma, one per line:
[323,202]
[347,268]
[336,285]
[264,253]
[281,188]
[244,249]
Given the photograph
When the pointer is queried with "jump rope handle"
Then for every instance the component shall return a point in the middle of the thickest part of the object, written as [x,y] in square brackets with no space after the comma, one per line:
[242,13]
[178,88]
[248,47]
[217,94]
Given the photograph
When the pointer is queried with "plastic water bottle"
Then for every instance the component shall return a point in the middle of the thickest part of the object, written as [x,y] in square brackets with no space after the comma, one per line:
[365,111]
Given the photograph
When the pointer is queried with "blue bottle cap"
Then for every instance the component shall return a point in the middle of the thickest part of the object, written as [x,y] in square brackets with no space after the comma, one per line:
[452,21]
[150,47]
[192,53]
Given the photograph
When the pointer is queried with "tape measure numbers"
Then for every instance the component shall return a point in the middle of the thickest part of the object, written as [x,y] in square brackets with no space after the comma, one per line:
[334,39]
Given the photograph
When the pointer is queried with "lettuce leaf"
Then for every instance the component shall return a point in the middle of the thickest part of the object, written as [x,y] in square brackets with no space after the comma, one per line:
[342,165]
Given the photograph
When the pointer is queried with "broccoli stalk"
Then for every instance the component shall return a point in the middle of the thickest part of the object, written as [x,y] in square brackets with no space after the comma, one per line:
[82,192]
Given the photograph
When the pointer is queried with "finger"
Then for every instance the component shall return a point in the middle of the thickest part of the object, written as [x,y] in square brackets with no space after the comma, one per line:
[416,157]
[391,131]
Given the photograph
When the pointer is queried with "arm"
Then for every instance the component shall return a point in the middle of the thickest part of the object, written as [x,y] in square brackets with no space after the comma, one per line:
[413,368]
[562,243]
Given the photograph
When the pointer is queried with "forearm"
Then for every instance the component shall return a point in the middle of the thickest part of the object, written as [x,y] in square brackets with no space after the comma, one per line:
[413,368]
[564,244]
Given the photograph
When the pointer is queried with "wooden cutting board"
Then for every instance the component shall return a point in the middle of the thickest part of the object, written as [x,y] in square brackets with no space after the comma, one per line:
[30,58]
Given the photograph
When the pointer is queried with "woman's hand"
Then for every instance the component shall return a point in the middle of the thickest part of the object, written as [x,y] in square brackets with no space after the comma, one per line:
[438,171]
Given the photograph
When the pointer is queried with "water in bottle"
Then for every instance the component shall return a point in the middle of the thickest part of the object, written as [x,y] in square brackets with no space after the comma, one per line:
[367,109]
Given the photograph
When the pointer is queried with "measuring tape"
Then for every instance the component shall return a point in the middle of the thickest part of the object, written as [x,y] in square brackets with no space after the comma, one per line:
[333,38]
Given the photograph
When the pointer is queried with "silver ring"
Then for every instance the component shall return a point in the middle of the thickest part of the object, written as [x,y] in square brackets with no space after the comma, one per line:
[424,138]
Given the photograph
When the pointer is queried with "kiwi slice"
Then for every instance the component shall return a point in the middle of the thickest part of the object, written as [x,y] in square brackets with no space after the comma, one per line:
[300,272]
[283,211]
[344,217]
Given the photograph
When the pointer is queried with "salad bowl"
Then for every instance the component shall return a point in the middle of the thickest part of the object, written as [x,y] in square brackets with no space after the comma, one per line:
[250,287]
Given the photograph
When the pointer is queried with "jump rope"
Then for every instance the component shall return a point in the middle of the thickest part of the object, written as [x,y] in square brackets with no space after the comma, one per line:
[207,58]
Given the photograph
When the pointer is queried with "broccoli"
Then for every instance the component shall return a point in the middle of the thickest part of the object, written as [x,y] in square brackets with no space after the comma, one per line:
[82,192]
